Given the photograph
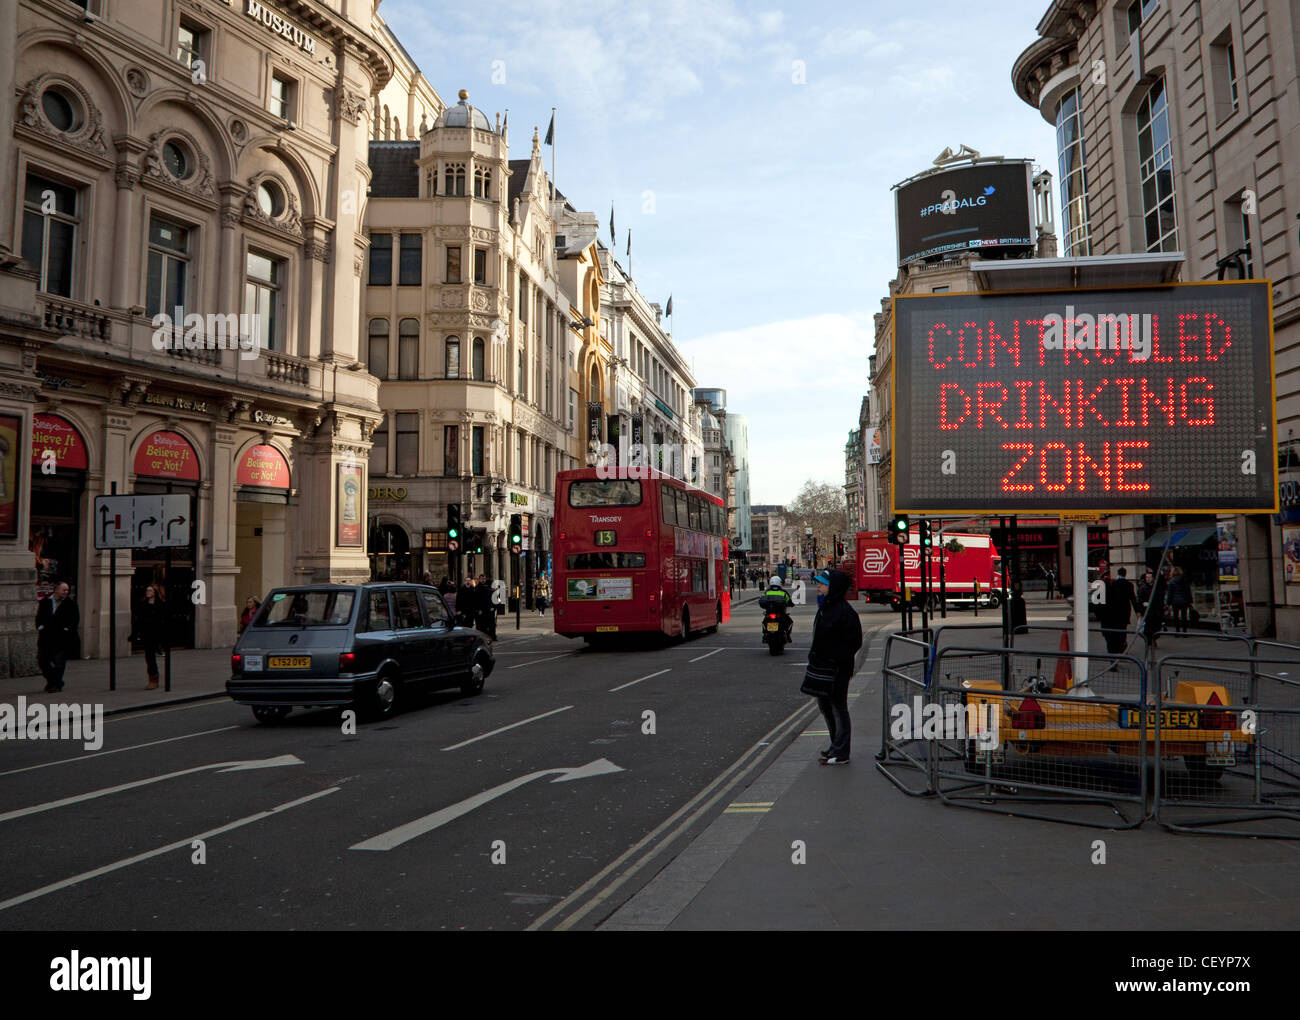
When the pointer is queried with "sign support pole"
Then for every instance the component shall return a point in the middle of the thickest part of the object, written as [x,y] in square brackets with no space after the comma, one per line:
[1080,570]
[167,613]
[112,614]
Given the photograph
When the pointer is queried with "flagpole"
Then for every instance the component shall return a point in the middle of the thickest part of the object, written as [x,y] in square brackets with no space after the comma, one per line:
[554,192]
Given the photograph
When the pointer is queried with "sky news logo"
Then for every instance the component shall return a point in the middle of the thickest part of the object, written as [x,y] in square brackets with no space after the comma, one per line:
[211,332]
[75,973]
[40,721]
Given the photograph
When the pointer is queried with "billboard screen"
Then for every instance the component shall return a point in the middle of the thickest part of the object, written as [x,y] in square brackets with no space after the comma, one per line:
[988,205]
[1110,401]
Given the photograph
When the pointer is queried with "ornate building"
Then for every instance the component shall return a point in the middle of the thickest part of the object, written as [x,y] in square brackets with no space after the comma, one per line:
[181,189]
[467,325]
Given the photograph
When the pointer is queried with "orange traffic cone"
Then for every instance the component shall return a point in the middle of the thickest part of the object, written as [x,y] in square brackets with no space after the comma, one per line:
[1063,679]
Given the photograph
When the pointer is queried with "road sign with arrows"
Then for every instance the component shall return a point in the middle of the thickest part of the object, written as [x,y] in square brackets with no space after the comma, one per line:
[142,522]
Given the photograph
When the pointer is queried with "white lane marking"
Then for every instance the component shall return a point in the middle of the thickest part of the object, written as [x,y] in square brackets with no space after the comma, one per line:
[405,833]
[648,676]
[222,766]
[127,862]
[522,722]
[117,750]
[521,665]
[707,654]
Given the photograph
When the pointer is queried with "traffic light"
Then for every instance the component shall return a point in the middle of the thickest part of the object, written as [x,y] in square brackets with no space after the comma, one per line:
[453,527]
[516,534]
[898,529]
[474,543]
[925,534]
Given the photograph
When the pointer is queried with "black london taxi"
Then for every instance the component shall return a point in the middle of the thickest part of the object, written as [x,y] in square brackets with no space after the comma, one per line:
[367,646]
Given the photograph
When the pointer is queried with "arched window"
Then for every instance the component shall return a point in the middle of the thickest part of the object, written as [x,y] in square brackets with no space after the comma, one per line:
[377,349]
[482,182]
[1156,169]
[408,349]
[477,367]
[454,179]
[453,357]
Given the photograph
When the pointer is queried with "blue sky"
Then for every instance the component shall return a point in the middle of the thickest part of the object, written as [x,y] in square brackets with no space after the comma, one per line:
[760,201]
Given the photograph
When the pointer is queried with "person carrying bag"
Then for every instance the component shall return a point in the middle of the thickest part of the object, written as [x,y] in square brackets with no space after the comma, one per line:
[837,636]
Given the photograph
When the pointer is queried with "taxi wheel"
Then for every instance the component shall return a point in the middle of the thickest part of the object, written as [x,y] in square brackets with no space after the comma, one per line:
[269,715]
[381,702]
[477,674]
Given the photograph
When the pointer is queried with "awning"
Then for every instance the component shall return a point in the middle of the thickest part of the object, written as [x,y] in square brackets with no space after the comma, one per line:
[1182,536]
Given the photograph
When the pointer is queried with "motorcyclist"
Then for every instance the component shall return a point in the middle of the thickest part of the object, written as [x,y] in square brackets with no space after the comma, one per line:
[777,599]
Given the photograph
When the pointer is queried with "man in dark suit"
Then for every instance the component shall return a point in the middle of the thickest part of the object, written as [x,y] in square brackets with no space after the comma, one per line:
[56,635]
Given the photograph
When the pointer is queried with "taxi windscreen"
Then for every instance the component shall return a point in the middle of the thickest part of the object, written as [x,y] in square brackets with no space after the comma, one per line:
[306,609]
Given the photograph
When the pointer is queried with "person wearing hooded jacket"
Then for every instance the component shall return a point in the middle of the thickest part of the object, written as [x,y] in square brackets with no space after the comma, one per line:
[837,636]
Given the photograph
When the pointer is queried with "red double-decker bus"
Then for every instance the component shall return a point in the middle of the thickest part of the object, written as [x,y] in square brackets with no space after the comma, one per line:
[632,554]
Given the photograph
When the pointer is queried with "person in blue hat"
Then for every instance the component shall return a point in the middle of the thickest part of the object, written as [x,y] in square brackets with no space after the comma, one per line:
[837,636]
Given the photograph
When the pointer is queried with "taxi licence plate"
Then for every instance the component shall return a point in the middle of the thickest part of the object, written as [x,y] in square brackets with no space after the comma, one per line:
[605,629]
[288,662]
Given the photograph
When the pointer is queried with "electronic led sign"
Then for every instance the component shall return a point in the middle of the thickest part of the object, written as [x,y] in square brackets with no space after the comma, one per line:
[1109,401]
[986,206]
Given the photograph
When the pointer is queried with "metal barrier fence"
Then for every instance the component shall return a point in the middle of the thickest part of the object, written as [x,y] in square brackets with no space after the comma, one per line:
[904,679]
[1235,725]
[1006,723]
[1201,742]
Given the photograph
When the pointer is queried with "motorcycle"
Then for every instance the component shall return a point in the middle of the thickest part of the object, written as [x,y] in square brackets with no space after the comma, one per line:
[775,633]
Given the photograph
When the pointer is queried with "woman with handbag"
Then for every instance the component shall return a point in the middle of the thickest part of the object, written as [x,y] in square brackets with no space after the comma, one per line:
[150,632]
[837,636]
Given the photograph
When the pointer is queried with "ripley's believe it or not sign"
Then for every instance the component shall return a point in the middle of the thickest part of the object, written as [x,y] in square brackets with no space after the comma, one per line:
[1140,400]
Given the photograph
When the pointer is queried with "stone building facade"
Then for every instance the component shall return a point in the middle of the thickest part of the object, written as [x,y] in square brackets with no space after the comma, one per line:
[209,159]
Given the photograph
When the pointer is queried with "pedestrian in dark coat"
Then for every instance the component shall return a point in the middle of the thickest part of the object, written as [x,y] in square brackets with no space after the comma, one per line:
[837,636]
[466,606]
[487,610]
[57,619]
[1121,601]
[1180,599]
[1019,611]
[1154,620]
[150,632]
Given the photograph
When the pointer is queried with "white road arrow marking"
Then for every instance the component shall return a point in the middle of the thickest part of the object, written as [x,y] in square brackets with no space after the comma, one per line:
[159,851]
[221,766]
[404,833]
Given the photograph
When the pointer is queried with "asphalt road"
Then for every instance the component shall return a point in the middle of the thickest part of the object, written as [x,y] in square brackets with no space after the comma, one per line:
[457,813]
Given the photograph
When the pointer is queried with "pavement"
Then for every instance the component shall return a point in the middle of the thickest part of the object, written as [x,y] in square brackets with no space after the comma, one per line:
[815,847]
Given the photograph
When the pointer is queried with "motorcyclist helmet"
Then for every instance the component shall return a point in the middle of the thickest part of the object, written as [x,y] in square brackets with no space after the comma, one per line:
[774,581]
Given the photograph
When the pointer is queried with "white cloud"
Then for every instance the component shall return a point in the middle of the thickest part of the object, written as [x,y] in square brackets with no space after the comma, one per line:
[800,382]
[770,22]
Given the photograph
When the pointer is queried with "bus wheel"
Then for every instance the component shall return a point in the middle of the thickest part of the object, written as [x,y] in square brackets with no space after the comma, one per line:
[717,622]
[686,624]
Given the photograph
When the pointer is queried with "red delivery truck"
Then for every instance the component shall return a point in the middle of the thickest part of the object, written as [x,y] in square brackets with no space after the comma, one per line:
[976,568]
